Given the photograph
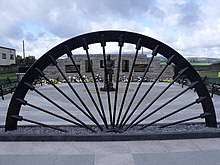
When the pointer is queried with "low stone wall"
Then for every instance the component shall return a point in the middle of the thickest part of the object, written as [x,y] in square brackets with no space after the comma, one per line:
[154,70]
[208,68]
[9,69]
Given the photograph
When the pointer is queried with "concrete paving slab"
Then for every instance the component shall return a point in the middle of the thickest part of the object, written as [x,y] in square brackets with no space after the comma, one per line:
[146,147]
[75,149]
[15,148]
[180,158]
[116,159]
[74,160]
[8,159]
[46,148]
[104,147]
[211,144]
[167,152]
[179,145]
[35,159]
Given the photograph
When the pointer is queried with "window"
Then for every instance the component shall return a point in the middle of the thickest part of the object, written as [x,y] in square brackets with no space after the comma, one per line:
[88,65]
[71,68]
[125,65]
[11,57]
[4,56]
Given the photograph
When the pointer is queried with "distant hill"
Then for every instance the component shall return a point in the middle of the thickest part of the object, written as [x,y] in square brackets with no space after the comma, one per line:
[216,64]
[192,59]
[203,59]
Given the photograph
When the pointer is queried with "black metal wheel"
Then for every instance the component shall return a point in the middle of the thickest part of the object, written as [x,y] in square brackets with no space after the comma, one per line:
[119,110]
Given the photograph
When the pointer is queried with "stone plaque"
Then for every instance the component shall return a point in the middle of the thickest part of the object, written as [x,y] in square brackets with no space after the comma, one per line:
[71,68]
[140,67]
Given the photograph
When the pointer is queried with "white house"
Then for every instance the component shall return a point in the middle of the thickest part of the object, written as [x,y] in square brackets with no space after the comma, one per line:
[7,56]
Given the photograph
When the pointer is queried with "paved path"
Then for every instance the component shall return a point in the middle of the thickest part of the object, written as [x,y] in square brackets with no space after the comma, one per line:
[166,152]
[34,99]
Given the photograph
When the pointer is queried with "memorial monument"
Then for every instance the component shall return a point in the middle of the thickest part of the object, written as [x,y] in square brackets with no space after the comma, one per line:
[108,84]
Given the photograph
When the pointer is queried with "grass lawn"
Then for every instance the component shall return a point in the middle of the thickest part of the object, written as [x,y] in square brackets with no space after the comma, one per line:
[210,74]
[200,63]
[10,75]
[193,63]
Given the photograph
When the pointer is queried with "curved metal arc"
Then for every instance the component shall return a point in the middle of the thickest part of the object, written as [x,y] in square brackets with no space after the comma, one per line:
[201,91]
[110,36]
[56,52]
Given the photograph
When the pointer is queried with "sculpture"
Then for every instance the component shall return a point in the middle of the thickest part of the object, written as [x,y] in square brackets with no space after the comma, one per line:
[108,84]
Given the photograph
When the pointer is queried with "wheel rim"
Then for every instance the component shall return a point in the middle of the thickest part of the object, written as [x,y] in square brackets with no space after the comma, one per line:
[120,118]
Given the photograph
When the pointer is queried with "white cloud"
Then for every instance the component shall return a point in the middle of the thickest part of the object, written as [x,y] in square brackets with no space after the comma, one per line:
[190,27]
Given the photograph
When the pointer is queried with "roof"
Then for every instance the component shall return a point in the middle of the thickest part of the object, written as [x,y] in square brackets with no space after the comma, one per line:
[7,48]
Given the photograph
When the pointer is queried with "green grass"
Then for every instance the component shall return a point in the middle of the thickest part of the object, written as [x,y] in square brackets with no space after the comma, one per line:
[210,74]
[193,63]
[200,63]
[163,63]
[10,75]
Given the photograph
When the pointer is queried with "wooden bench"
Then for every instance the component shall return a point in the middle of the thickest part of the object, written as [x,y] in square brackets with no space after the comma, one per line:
[215,88]
[7,86]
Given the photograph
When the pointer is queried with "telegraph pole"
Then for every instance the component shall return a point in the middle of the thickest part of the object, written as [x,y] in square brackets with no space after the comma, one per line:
[24,61]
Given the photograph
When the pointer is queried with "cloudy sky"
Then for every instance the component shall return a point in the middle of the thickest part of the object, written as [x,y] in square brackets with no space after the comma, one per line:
[192,27]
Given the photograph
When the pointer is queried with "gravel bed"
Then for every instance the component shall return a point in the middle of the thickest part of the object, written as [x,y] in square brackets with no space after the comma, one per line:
[181,131]
[74,130]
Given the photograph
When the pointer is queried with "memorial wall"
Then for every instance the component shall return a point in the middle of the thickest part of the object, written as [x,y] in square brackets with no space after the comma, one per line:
[97,64]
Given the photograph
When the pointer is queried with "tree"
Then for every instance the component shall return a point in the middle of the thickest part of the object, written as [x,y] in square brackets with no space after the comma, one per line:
[19,60]
[27,61]
[30,60]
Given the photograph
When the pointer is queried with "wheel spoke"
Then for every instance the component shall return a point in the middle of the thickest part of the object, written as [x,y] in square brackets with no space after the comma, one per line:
[103,44]
[149,105]
[67,97]
[20,118]
[204,115]
[31,87]
[24,102]
[120,44]
[116,111]
[147,92]
[87,89]
[174,112]
[154,53]
[138,47]
[74,91]
[165,104]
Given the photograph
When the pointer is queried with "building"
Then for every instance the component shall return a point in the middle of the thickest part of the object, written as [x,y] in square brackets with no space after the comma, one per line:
[97,64]
[7,56]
